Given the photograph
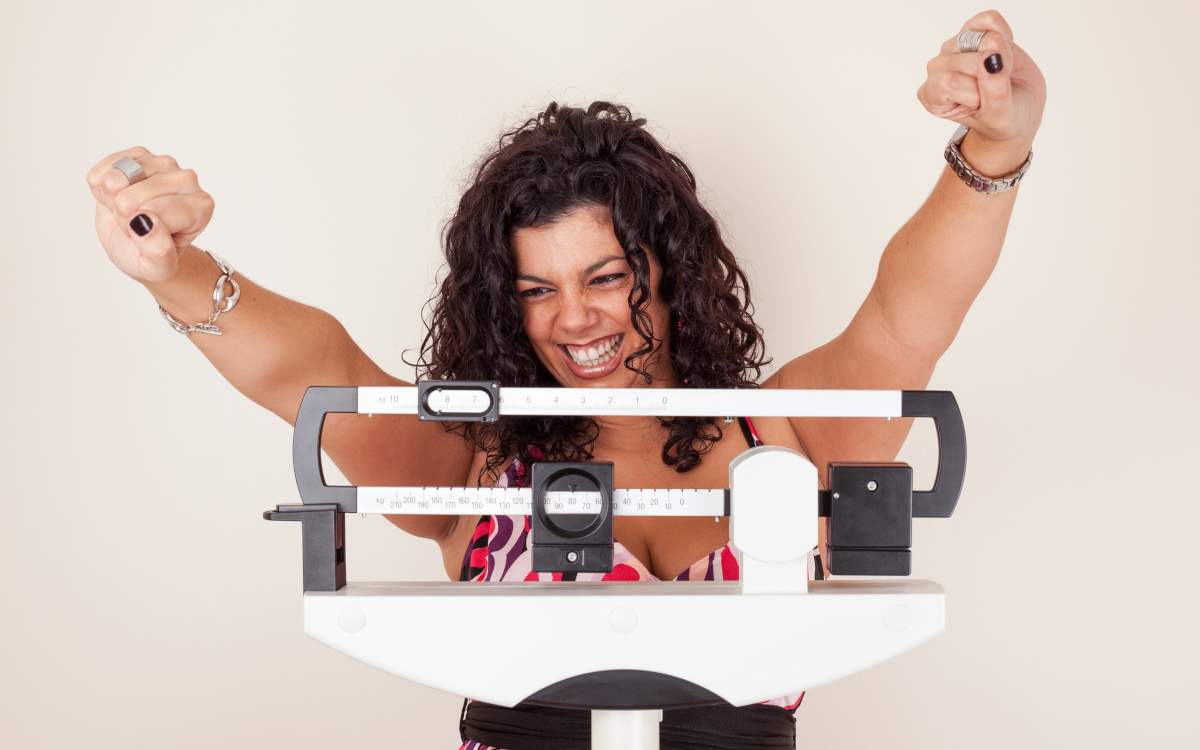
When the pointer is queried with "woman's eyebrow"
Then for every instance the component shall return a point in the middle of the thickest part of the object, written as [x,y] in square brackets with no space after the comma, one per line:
[590,269]
[602,263]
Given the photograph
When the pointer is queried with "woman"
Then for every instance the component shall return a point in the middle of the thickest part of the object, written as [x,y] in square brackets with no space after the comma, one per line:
[581,257]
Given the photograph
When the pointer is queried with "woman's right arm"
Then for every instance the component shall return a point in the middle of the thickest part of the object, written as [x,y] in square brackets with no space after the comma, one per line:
[271,348]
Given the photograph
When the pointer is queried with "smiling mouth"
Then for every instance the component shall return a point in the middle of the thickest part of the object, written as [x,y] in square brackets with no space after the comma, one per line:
[594,353]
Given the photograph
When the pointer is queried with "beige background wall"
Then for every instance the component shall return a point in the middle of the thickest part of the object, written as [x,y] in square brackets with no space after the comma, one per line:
[145,604]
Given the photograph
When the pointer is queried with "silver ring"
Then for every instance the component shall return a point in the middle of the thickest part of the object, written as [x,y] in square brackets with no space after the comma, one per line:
[968,41]
[131,169]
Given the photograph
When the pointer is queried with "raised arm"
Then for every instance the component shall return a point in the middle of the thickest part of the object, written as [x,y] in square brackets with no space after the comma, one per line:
[937,263]
[271,348]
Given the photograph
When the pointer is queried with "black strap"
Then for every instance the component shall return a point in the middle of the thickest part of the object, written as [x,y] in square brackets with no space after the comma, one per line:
[746,431]
[710,728]
[527,727]
[462,722]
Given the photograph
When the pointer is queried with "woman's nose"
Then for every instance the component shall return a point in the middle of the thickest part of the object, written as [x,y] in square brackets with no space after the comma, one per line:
[575,314]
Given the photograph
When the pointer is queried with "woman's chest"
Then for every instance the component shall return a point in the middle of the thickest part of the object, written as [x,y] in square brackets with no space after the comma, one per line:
[669,545]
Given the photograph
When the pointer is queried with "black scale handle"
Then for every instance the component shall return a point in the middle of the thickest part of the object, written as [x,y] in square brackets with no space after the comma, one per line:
[939,502]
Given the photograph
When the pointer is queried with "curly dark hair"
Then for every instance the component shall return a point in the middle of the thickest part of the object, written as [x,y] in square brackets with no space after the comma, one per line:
[567,158]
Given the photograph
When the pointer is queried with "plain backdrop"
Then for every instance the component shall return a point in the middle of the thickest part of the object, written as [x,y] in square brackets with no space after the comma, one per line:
[145,604]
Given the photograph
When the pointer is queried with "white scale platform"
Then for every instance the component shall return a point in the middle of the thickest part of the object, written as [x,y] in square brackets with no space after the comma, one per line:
[708,633]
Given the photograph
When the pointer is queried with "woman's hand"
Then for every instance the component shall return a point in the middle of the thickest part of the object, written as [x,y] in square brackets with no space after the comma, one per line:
[1002,108]
[170,199]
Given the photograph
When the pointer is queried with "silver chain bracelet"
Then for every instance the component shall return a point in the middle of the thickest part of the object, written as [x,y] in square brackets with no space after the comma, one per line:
[221,302]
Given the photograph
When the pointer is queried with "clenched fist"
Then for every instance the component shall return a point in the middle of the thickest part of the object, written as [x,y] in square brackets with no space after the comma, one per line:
[998,92]
[144,227]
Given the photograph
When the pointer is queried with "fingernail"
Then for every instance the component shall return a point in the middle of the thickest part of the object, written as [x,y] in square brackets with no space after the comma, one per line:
[994,64]
[141,224]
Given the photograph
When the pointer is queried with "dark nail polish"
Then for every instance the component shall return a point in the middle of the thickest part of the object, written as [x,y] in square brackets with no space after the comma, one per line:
[141,224]
[994,64]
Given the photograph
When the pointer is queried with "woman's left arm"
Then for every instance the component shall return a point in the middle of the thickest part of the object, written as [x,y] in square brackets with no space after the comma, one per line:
[935,266]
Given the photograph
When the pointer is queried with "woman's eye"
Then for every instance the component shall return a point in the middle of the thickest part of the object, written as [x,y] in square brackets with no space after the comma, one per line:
[609,279]
[535,292]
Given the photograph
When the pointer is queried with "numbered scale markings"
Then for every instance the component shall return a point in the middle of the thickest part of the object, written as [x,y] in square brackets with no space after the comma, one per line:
[666,402]
[519,501]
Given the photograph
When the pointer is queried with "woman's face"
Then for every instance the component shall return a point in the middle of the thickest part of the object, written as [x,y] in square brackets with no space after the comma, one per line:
[573,286]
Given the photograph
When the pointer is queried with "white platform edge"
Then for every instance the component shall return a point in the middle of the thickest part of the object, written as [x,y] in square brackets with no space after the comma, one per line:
[475,640]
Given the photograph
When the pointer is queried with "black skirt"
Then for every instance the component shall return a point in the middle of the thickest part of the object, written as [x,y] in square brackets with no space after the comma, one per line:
[710,728]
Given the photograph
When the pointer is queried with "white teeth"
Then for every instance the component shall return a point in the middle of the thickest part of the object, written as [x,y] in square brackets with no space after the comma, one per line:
[595,355]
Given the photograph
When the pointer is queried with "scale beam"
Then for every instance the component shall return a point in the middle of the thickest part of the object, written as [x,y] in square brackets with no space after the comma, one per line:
[494,400]
[470,402]
[518,501]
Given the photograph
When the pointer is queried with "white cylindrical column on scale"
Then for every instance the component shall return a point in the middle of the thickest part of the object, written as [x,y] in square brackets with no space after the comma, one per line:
[625,730]
[773,503]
